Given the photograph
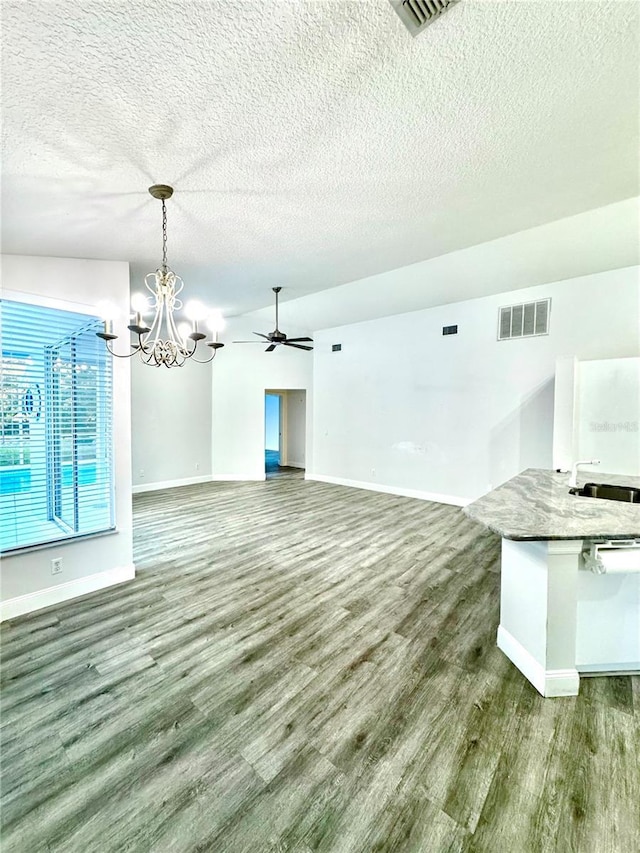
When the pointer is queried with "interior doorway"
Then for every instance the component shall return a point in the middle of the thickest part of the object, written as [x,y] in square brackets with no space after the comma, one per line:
[285,423]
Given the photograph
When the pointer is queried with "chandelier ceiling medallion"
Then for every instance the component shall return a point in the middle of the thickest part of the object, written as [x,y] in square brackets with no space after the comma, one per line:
[165,342]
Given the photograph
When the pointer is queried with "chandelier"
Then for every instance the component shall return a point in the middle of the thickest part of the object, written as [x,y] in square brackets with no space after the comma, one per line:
[166,342]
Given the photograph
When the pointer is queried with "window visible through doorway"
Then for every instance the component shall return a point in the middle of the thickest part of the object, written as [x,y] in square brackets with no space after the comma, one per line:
[272,431]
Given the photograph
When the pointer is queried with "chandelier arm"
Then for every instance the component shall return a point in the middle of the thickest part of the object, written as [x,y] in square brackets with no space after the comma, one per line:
[140,346]
[144,355]
[152,289]
[178,287]
[177,337]
[135,348]
[206,360]
[187,353]
[153,335]
[180,344]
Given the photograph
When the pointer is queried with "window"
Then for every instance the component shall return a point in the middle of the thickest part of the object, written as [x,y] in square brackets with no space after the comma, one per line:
[56,461]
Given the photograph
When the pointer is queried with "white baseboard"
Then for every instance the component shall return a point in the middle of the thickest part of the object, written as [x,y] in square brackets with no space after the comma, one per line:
[632,668]
[550,682]
[14,607]
[436,497]
[237,478]
[170,484]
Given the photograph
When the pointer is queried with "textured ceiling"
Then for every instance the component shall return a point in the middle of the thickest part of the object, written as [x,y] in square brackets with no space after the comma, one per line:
[309,143]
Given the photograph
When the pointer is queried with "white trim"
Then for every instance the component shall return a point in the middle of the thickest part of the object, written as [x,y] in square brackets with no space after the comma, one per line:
[521,658]
[454,500]
[632,668]
[64,592]
[170,484]
[552,682]
[564,546]
[561,682]
[29,298]
[237,478]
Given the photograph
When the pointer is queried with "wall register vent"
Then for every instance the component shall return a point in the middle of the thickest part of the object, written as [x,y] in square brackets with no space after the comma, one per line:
[525,320]
[418,14]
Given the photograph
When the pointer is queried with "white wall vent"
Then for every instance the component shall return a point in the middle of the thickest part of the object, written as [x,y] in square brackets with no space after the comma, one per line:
[525,320]
[418,14]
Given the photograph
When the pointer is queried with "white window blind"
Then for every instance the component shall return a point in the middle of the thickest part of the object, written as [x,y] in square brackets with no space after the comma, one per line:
[56,455]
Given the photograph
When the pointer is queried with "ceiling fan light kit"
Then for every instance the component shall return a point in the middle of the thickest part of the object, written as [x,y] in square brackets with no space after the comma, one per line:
[278,338]
[166,342]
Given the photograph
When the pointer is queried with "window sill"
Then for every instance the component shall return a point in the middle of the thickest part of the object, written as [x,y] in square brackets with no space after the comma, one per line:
[56,543]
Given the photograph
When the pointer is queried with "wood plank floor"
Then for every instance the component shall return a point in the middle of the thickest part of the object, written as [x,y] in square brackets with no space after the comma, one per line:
[303,667]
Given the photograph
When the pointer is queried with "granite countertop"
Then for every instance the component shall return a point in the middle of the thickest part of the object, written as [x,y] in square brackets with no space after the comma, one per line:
[537,505]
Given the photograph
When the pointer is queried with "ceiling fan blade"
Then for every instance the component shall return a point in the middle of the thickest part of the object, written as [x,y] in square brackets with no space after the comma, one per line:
[271,348]
[246,342]
[296,346]
[262,336]
[298,340]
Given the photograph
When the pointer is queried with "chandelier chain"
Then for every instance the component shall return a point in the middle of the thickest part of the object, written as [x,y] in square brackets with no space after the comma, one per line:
[164,237]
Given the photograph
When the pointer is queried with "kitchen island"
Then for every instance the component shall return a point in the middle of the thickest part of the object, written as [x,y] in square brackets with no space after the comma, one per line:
[558,619]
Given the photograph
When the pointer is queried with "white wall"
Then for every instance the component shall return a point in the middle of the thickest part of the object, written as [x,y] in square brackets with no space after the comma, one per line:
[296,430]
[404,408]
[240,377]
[171,423]
[597,240]
[27,582]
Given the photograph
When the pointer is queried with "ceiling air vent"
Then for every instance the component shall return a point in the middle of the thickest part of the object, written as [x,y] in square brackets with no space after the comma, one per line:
[418,14]
[525,320]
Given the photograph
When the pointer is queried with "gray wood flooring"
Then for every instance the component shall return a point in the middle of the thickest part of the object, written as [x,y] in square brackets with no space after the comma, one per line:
[303,667]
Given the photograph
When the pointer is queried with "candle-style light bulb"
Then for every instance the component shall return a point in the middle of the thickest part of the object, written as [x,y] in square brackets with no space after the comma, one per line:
[215,322]
[108,312]
[195,310]
[139,303]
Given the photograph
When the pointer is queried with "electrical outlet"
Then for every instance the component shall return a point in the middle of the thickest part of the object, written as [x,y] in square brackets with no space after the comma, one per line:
[56,566]
[373,472]
[141,474]
[197,466]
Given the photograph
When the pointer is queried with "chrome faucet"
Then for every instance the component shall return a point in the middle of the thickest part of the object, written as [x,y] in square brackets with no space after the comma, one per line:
[573,480]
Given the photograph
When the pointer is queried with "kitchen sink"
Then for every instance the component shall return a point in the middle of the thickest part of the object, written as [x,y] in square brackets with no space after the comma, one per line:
[608,492]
